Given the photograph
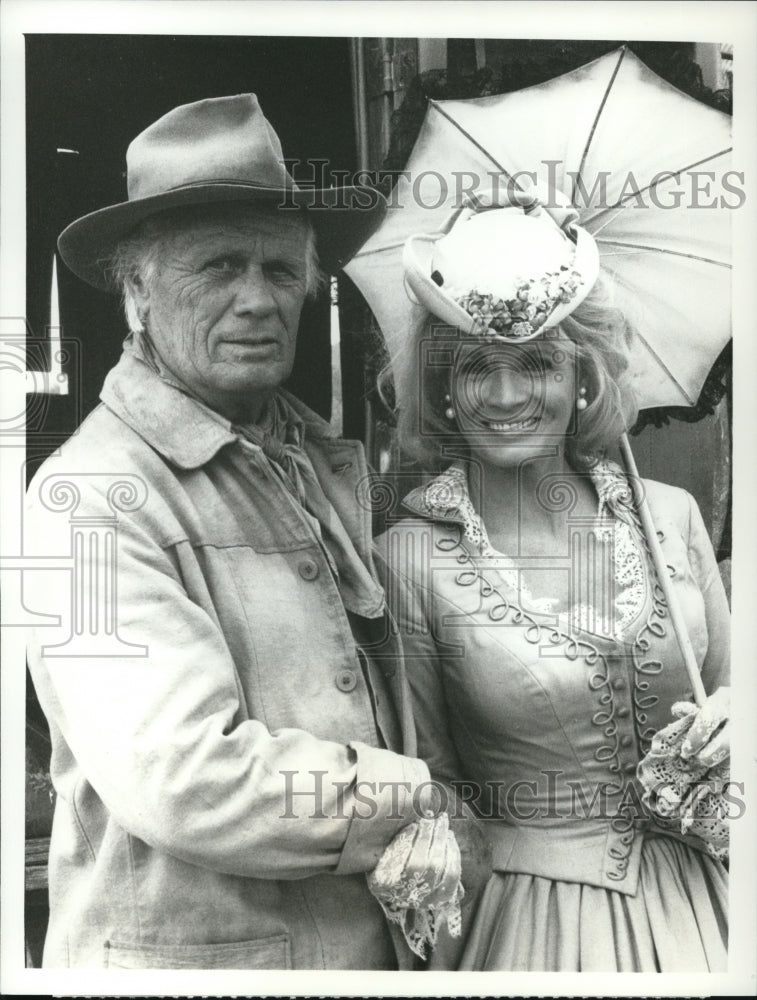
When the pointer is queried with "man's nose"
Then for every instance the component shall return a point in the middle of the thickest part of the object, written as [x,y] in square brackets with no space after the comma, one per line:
[253,293]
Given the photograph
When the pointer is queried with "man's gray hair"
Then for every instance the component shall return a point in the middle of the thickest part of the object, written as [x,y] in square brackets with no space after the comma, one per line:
[138,255]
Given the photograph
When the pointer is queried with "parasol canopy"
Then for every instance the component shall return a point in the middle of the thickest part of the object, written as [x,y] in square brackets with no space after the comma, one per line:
[647,168]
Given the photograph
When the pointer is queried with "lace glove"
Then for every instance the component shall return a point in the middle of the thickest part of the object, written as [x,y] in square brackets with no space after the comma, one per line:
[686,769]
[417,882]
[708,740]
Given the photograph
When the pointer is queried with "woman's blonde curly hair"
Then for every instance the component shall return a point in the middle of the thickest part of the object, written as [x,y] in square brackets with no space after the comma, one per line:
[603,337]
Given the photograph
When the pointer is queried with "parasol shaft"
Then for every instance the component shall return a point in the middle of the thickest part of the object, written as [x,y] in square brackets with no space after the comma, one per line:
[676,617]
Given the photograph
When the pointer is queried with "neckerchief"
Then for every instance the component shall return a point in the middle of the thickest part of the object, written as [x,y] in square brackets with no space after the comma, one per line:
[280,436]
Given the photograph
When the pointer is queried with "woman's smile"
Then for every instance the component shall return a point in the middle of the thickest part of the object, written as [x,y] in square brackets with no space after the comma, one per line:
[512,425]
[511,400]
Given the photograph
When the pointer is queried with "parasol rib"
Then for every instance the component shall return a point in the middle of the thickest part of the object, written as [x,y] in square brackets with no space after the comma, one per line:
[370,253]
[661,364]
[668,372]
[662,250]
[669,175]
[469,137]
[579,175]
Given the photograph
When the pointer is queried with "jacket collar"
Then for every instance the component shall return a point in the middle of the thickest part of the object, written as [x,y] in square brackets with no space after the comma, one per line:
[443,498]
[189,434]
[446,498]
[179,427]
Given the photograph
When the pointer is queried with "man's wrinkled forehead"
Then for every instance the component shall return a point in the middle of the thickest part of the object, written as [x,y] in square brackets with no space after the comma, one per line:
[283,230]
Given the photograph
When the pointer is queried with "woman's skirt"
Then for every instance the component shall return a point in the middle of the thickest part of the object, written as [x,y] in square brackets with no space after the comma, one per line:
[676,922]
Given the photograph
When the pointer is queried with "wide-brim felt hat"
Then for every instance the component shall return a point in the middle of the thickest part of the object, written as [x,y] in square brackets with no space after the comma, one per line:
[213,151]
[507,273]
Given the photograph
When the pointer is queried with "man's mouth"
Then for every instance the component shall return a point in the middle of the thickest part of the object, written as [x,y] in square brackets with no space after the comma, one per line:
[253,342]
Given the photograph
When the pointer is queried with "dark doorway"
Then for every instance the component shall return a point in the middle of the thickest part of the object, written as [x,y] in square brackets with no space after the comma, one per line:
[87,96]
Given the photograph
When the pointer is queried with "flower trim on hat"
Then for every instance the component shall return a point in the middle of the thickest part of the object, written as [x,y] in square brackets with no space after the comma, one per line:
[535,300]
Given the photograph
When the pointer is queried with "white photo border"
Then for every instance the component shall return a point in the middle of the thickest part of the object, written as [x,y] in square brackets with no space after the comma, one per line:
[675,21]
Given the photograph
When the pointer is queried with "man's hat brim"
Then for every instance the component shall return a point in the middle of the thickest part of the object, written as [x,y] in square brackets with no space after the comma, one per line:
[343,219]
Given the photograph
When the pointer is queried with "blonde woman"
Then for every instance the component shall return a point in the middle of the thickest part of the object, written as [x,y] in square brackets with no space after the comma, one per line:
[537,636]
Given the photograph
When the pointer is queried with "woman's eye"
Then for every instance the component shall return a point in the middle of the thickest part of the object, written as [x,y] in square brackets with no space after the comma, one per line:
[538,362]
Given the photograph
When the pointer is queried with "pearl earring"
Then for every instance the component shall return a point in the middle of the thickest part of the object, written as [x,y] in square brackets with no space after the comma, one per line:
[449,413]
[581,402]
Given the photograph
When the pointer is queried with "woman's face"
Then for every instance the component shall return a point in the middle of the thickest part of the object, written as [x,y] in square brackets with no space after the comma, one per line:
[515,401]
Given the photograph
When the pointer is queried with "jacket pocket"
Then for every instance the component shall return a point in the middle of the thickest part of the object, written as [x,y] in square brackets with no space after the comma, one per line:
[263,953]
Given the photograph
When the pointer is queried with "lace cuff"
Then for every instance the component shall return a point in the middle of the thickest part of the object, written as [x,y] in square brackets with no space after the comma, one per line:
[417,882]
[683,793]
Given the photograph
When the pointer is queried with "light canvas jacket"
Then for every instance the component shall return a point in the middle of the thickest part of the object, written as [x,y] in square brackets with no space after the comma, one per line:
[231,672]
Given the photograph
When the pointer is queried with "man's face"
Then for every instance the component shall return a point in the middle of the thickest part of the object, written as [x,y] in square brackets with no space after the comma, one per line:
[223,305]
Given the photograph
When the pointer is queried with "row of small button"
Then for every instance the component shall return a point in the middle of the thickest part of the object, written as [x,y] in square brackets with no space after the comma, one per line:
[345,680]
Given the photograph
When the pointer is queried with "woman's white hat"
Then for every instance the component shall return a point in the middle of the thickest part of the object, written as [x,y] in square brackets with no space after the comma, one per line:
[504,272]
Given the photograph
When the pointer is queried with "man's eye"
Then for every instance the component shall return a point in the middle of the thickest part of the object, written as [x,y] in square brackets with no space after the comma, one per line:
[223,265]
[281,271]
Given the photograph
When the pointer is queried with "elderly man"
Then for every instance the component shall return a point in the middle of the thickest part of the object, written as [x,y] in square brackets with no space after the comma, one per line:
[235,752]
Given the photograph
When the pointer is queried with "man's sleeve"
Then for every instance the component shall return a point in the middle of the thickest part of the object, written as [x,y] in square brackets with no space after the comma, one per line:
[156,729]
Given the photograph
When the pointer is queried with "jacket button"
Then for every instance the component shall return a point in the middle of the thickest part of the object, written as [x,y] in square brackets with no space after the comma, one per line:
[660,535]
[626,741]
[308,569]
[672,571]
[630,768]
[346,680]
[619,683]
[623,712]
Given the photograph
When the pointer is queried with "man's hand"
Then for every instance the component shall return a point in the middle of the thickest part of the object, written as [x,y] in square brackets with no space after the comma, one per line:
[420,866]
[467,829]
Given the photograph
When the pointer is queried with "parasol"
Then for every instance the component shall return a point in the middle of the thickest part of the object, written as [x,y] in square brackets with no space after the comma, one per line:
[648,169]
[641,161]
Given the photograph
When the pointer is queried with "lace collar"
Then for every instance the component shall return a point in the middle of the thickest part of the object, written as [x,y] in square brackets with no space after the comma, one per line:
[447,498]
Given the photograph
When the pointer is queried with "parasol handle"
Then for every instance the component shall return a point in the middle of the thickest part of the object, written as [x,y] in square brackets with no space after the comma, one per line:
[676,617]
